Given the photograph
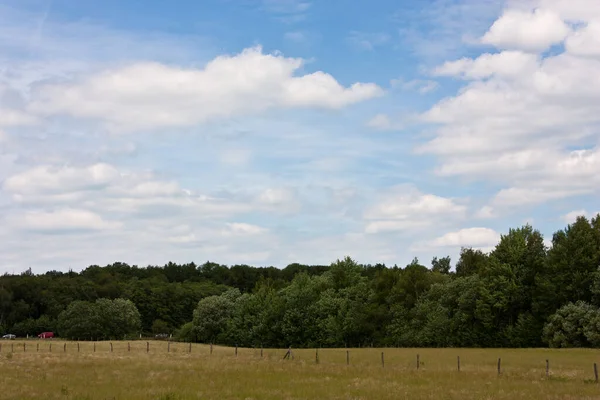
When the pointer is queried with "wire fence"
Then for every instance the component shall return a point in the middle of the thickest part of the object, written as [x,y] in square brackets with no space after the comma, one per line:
[316,356]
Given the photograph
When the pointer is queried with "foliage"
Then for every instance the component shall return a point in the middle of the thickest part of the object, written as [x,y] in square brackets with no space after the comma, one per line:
[520,294]
[574,325]
[102,319]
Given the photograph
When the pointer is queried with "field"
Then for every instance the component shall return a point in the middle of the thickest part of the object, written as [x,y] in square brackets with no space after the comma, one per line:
[173,372]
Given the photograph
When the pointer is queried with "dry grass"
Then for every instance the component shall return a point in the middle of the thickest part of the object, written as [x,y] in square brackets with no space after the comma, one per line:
[198,375]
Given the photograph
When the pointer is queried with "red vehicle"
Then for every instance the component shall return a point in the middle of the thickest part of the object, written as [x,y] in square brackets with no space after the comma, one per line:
[46,335]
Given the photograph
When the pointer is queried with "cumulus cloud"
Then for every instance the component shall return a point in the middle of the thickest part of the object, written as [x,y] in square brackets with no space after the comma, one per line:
[530,31]
[52,179]
[469,237]
[153,95]
[380,122]
[406,208]
[241,228]
[506,64]
[527,121]
[62,220]
[585,41]
[570,217]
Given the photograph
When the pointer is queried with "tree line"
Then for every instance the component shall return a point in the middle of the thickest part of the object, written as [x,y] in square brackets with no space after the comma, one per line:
[521,294]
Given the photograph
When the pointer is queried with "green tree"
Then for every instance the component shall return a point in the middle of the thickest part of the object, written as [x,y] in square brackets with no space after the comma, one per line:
[573,325]
[212,315]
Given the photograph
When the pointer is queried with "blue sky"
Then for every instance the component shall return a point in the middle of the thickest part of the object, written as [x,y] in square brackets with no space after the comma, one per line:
[275,131]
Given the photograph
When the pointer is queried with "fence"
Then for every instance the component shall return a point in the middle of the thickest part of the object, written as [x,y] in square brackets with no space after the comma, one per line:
[157,347]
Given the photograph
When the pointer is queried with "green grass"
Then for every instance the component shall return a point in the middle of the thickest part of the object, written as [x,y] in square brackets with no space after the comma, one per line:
[179,374]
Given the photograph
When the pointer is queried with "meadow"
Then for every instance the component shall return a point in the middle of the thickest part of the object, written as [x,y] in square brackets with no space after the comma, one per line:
[171,371]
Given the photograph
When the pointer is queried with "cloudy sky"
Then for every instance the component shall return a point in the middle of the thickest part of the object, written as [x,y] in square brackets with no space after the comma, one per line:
[275,131]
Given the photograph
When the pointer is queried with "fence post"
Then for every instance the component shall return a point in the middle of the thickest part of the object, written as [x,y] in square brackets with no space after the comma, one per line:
[547,368]
[78,347]
[65,348]
[147,347]
[38,347]
[211,349]
[347,357]
[458,362]
[261,351]
[128,347]
[190,347]
[24,347]
[418,361]
[596,372]
[382,361]
[168,347]
[12,347]
[0,347]
[236,350]
[317,356]
[94,347]
[111,348]
[50,347]
[499,365]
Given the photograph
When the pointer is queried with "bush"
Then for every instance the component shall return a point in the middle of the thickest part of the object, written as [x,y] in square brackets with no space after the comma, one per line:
[186,333]
[573,325]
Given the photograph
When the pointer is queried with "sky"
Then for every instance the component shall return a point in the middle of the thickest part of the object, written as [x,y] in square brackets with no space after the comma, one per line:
[267,132]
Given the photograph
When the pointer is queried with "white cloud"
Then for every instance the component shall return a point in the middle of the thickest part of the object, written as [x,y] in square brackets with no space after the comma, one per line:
[485,212]
[585,41]
[68,219]
[526,121]
[422,86]
[530,31]
[243,229]
[405,208]
[9,117]
[152,95]
[506,64]
[50,179]
[571,217]
[380,122]
[235,156]
[469,237]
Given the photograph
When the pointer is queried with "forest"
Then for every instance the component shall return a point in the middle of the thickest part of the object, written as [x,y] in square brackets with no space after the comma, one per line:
[520,294]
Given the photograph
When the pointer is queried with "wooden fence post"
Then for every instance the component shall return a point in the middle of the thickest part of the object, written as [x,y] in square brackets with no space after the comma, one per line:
[347,357]
[12,347]
[458,362]
[236,350]
[261,351]
[547,368]
[382,361]
[499,365]
[78,347]
[418,361]
[65,348]
[190,351]
[94,347]
[316,356]
[147,347]
[111,348]
[169,347]
[24,347]
[50,347]
[211,349]
[128,347]
[596,372]
[0,347]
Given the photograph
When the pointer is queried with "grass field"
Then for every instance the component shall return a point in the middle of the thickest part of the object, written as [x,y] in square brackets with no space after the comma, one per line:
[179,374]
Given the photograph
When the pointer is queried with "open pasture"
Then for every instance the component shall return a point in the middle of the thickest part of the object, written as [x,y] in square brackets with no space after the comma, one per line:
[131,372]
